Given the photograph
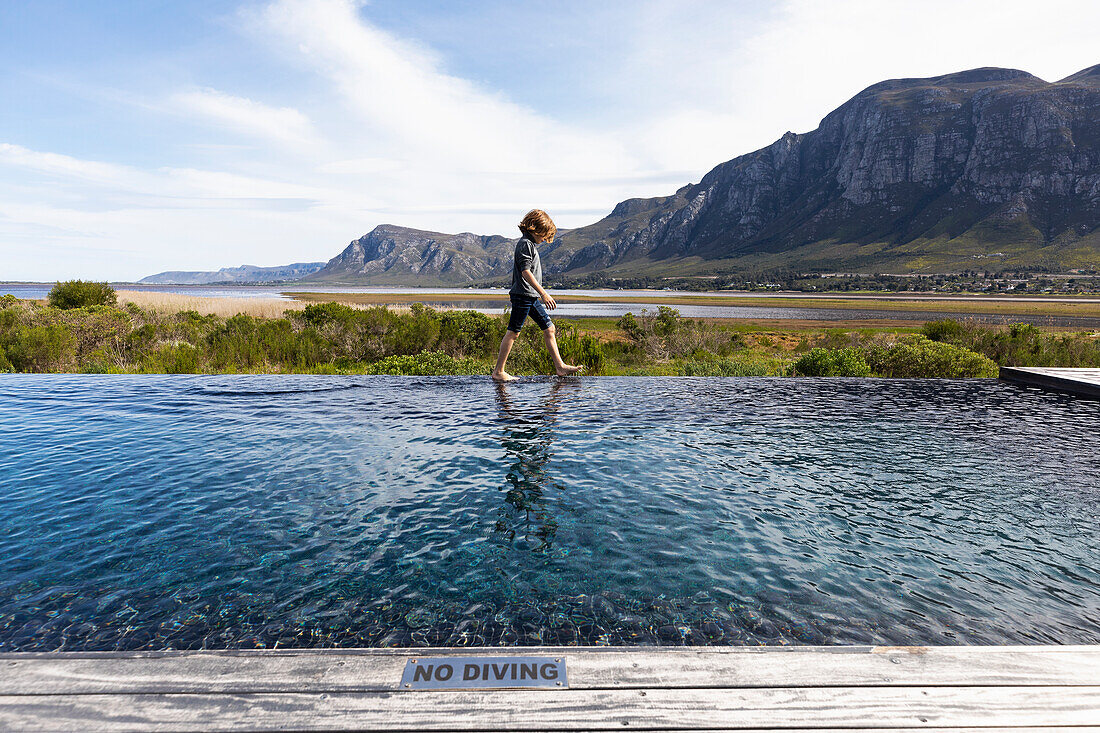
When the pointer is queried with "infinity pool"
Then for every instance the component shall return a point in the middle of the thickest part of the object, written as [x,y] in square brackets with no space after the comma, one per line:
[296,511]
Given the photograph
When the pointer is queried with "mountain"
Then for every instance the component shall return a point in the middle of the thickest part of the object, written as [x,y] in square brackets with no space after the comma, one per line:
[236,275]
[982,169]
[392,255]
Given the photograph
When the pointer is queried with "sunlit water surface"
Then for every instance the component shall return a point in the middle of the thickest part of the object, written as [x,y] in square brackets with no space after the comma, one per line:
[494,301]
[297,511]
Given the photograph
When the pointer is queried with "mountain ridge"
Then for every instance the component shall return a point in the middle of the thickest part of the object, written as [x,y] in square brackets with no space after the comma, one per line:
[982,168]
[242,274]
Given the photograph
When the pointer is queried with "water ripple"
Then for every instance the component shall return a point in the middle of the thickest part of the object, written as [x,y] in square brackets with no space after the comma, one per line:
[261,511]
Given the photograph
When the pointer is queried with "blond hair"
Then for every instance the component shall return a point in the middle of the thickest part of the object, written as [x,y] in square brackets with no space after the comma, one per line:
[537,223]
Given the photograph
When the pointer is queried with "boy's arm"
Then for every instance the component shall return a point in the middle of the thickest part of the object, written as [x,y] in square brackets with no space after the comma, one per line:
[546,299]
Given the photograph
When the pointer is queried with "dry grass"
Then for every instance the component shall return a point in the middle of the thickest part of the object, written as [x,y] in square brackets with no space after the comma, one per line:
[227,307]
[223,307]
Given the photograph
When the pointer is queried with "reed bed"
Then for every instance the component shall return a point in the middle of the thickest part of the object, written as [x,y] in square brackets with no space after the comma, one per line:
[221,307]
[228,307]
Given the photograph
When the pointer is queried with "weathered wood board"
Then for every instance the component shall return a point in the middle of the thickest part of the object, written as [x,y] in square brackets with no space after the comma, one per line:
[1084,382]
[669,689]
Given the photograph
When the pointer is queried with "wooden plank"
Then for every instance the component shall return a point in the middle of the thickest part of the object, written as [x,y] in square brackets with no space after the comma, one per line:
[594,669]
[723,709]
[1085,382]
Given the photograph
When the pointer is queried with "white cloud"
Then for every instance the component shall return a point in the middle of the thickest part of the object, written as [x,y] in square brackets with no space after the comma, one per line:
[247,117]
[404,95]
[163,184]
[385,130]
[725,86]
[65,217]
[65,165]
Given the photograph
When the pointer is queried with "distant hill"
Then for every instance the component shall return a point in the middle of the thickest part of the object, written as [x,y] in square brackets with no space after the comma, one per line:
[236,275]
[983,169]
[392,255]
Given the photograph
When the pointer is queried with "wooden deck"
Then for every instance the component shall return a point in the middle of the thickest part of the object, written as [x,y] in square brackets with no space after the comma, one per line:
[1085,382]
[821,688]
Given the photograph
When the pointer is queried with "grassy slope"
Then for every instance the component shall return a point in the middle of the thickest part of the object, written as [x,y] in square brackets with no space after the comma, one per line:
[974,250]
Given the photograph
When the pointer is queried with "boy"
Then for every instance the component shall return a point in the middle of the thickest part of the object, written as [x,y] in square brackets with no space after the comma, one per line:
[536,227]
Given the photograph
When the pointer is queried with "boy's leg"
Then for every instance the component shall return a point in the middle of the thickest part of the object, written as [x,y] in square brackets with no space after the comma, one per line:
[542,318]
[549,334]
[520,308]
[502,356]
[560,367]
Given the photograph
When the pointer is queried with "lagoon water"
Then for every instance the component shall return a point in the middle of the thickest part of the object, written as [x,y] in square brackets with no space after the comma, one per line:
[218,512]
[493,301]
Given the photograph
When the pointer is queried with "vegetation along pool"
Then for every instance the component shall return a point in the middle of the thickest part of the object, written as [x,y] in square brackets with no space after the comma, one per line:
[219,512]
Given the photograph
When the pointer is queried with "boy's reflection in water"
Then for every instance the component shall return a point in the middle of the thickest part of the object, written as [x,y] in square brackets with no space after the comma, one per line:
[527,437]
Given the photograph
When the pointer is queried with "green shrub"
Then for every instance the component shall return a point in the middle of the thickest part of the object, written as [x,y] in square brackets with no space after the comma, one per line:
[947,329]
[81,294]
[8,301]
[9,319]
[630,326]
[665,334]
[179,358]
[920,357]
[429,363]
[469,332]
[410,333]
[667,321]
[820,362]
[575,349]
[234,343]
[49,348]
[319,315]
[1023,331]
[589,352]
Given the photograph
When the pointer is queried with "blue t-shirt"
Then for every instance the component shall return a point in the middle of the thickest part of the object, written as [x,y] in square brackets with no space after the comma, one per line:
[527,258]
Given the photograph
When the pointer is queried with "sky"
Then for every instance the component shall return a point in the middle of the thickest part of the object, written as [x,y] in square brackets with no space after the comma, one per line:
[138,136]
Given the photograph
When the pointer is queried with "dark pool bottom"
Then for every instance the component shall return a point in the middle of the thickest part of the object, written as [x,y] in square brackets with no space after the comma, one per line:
[255,512]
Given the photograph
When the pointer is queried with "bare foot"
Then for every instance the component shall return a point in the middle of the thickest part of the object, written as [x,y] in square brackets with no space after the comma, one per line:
[503,377]
[567,369]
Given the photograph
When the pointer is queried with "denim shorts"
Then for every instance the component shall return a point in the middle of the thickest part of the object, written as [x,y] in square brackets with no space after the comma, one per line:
[523,307]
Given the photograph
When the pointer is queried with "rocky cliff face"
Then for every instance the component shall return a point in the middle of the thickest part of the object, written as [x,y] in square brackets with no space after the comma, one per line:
[911,173]
[398,255]
[981,169]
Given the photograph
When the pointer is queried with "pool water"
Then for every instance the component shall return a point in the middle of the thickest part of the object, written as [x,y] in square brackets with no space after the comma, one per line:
[156,512]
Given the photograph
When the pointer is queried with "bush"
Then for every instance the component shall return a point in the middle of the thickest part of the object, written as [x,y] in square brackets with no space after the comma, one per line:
[1023,331]
[665,334]
[920,357]
[630,326]
[319,315]
[8,300]
[947,329]
[427,364]
[820,362]
[667,321]
[81,294]
[470,332]
[575,349]
[175,359]
[49,348]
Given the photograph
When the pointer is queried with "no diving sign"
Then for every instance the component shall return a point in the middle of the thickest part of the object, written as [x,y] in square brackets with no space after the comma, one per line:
[456,673]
